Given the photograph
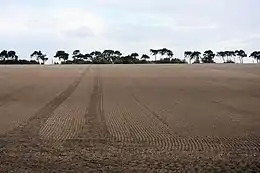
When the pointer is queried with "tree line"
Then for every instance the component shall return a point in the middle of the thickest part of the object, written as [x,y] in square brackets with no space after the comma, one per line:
[116,57]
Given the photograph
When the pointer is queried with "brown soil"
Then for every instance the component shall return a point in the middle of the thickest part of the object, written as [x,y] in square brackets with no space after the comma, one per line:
[130,118]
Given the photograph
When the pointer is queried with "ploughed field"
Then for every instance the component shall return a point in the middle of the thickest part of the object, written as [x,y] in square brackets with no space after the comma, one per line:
[130,118]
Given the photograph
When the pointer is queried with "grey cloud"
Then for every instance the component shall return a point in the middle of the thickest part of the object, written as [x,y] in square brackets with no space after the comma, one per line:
[135,33]
[80,32]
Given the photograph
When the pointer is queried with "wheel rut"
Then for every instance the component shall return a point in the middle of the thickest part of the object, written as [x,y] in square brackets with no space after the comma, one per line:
[146,107]
[95,127]
[28,132]
[171,141]
[67,121]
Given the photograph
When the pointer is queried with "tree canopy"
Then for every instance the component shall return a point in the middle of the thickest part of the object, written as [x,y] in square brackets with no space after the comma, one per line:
[109,56]
[38,55]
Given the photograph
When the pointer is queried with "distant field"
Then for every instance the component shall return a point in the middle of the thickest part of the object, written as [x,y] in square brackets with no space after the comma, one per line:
[130,118]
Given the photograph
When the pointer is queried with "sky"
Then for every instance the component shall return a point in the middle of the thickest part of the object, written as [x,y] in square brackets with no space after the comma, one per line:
[129,26]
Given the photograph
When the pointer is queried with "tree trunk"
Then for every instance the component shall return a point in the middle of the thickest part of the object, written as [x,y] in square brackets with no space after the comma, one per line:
[223,59]
[241,60]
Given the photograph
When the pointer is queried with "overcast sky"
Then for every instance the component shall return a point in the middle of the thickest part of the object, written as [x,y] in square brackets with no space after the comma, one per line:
[129,25]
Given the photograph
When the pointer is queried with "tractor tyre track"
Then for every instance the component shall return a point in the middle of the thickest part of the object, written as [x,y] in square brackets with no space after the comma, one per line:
[249,144]
[160,131]
[30,130]
[69,118]
[95,128]
[152,112]
[23,145]
[134,125]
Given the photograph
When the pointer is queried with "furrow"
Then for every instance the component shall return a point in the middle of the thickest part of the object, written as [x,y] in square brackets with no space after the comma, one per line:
[68,119]
[112,125]
[32,127]
[135,126]
[118,126]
